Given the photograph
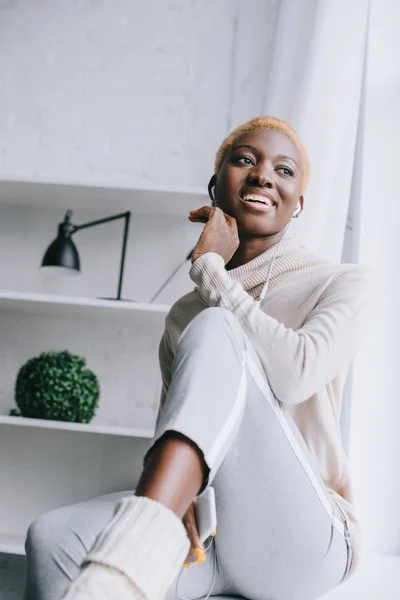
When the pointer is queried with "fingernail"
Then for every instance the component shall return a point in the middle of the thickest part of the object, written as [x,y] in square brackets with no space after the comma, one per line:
[186,565]
[214,533]
[201,557]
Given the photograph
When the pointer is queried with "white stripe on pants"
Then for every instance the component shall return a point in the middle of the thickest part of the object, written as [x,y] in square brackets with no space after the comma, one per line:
[280,535]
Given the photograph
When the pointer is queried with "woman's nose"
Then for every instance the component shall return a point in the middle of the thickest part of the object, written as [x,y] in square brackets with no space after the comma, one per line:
[260,178]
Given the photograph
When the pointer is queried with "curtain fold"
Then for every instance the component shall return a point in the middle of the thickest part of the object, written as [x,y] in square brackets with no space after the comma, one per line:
[375,418]
[315,83]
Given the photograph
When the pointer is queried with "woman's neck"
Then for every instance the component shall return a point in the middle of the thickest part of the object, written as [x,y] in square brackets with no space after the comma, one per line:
[251,248]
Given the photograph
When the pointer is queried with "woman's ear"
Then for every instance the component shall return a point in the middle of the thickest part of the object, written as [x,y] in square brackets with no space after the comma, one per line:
[299,207]
[211,189]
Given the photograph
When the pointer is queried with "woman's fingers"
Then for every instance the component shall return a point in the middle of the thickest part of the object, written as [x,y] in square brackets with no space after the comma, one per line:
[211,213]
[200,215]
[196,553]
[203,211]
[198,219]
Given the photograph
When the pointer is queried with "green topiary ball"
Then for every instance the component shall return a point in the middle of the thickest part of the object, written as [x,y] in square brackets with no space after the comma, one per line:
[57,386]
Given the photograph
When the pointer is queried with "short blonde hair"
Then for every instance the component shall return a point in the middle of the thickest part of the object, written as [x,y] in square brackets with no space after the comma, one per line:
[266,122]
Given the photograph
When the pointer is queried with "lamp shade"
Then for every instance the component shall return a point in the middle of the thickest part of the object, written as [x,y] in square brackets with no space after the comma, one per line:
[62,252]
[62,255]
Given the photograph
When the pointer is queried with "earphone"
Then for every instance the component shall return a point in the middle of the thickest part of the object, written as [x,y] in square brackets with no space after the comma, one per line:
[297,211]
[211,187]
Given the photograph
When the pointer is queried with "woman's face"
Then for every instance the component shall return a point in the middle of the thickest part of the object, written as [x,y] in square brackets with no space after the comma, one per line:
[259,182]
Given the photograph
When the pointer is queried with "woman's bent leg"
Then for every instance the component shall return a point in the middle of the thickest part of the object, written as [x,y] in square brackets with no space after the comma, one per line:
[280,534]
[261,484]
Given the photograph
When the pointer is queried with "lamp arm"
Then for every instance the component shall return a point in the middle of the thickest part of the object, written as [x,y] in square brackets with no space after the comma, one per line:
[126,216]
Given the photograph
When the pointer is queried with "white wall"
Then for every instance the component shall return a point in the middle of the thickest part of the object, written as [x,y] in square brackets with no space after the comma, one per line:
[127,92]
[121,94]
[375,440]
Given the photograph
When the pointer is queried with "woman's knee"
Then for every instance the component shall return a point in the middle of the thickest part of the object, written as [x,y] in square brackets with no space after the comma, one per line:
[212,320]
[216,314]
[68,533]
[40,534]
[53,556]
[50,539]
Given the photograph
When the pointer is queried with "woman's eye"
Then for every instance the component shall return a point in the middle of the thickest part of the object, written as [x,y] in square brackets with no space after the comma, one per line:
[244,160]
[286,171]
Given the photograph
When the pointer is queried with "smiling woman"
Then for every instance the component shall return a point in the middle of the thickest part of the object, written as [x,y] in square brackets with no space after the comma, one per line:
[253,364]
[261,172]
[266,162]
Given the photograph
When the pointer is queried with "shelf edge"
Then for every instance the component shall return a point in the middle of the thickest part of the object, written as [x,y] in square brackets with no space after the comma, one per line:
[76,427]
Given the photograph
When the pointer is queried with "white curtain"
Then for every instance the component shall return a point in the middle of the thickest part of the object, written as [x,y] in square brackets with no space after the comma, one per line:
[332,70]
[315,83]
[334,75]
[375,419]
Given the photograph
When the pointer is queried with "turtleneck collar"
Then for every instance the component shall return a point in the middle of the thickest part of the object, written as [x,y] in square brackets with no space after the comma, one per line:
[290,256]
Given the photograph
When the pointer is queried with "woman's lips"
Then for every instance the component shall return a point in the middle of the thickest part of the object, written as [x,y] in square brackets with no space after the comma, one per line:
[257,202]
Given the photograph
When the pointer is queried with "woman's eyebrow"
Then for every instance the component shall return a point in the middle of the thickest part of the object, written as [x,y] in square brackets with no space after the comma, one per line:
[284,157]
[253,148]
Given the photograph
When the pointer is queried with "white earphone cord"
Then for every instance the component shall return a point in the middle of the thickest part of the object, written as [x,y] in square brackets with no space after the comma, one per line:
[265,287]
[213,577]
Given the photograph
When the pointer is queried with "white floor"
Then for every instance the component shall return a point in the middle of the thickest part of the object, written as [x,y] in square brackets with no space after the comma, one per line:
[378,578]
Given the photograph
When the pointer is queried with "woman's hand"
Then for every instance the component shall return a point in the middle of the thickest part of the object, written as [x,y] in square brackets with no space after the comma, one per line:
[220,234]
[196,553]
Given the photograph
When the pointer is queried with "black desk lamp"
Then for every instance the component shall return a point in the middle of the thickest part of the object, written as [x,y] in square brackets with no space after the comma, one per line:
[62,252]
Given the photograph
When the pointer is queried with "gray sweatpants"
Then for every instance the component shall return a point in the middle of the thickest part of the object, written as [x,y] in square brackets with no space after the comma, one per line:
[280,535]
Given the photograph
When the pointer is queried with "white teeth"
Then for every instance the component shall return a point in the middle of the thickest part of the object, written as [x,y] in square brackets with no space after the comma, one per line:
[256,198]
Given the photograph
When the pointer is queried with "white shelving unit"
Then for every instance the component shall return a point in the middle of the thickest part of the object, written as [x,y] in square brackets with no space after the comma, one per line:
[12,544]
[45,464]
[22,437]
[82,427]
[78,307]
[141,200]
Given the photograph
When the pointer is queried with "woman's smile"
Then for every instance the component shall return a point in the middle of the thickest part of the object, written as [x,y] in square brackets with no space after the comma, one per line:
[258,200]
[256,203]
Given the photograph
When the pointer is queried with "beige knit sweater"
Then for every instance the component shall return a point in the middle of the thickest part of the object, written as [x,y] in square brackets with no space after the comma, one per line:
[306,332]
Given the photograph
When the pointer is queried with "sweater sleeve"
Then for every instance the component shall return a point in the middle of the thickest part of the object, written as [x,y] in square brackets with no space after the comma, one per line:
[298,363]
